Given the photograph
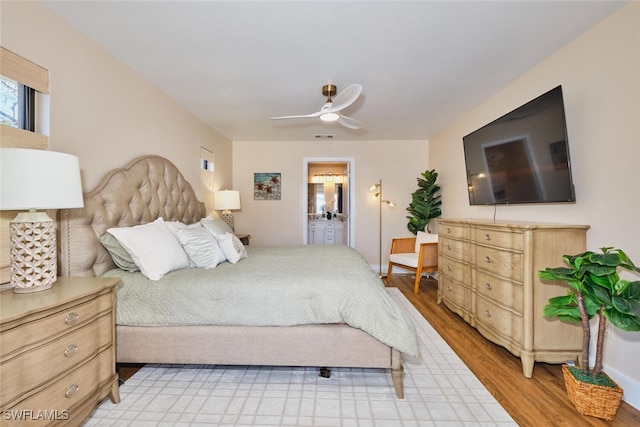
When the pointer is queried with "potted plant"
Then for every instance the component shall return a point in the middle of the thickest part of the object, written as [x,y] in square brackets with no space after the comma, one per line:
[595,290]
[425,202]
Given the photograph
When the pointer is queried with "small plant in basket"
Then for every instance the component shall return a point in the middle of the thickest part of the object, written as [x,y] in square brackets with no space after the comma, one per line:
[595,290]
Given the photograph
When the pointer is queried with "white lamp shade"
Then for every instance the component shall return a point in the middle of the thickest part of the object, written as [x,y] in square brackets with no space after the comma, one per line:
[39,179]
[226,200]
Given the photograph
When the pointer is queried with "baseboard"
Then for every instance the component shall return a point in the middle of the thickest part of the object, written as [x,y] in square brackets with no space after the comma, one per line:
[630,386]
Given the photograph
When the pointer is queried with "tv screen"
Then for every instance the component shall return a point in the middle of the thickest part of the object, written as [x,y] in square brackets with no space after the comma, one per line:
[522,157]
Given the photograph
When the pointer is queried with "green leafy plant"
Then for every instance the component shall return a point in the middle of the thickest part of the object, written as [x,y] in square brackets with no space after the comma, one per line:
[425,202]
[595,290]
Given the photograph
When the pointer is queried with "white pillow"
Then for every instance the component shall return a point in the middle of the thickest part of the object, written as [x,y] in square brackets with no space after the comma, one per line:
[232,247]
[201,246]
[216,226]
[174,226]
[422,237]
[154,249]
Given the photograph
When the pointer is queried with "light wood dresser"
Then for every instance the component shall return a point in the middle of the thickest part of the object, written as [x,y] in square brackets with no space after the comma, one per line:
[488,274]
[57,353]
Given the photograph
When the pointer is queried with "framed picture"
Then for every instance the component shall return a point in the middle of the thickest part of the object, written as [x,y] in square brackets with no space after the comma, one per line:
[267,186]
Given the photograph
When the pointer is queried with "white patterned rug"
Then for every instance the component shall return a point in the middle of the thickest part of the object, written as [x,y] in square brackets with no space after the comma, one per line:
[439,391]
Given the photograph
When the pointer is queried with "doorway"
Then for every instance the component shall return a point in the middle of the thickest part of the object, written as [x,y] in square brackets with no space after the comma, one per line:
[328,212]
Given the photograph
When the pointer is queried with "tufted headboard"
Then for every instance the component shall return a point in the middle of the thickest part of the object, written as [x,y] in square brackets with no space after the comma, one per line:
[145,189]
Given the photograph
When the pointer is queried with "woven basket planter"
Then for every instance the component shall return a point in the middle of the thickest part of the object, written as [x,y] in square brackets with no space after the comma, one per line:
[590,399]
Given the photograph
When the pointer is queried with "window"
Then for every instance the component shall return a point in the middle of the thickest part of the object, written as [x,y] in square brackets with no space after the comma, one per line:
[17,104]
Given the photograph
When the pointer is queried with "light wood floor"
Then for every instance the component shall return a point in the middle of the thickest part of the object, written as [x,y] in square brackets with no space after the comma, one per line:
[537,402]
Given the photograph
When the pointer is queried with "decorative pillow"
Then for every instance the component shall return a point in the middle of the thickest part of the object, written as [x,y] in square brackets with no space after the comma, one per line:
[174,226]
[216,226]
[422,237]
[154,249]
[119,254]
[201,247]
[232,247]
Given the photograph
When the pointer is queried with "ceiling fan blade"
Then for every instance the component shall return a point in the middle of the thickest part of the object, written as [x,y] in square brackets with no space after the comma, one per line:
[345,98]
[305,116]
[350,123]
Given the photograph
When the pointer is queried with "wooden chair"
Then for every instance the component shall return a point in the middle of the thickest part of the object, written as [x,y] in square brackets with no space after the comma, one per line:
[418,254]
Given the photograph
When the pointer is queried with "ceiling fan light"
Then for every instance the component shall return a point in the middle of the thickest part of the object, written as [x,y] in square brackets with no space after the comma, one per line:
[329,117]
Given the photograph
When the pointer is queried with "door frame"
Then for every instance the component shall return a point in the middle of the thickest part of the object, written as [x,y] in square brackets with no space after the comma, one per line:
[351,165]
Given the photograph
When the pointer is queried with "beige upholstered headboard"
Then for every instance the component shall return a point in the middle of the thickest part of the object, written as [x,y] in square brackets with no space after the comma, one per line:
[145,189]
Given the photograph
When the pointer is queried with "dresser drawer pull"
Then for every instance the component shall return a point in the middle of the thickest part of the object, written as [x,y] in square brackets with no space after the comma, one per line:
[448,230]
[73,389]
[487,237]
[448,247]
[449,288]
[488,259]
[71,318]
[70,350]
[489,286]
[487,313]
[449,268]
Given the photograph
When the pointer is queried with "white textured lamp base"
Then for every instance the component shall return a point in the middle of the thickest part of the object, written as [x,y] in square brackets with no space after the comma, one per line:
[33,252]
[227,217]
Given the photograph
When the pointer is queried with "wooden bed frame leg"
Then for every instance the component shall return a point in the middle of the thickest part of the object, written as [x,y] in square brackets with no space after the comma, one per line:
[397,376]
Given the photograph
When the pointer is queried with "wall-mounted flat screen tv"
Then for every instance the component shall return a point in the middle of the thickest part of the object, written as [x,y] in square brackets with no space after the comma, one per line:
[522,157]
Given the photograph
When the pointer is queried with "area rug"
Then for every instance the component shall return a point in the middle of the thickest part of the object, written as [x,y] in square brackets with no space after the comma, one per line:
[439,391]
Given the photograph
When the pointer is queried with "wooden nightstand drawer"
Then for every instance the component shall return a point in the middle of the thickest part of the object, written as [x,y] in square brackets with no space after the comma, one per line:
[29,332]
[62,397]
[31,369]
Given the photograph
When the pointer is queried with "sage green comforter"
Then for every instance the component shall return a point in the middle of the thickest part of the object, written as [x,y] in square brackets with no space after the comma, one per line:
[273,286]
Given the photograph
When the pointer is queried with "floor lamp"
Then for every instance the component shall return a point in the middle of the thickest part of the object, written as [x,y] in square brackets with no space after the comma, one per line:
[31,180]
[377,194]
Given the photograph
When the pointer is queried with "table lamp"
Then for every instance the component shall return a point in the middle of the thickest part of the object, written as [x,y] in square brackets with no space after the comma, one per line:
[32,180]
[226,200]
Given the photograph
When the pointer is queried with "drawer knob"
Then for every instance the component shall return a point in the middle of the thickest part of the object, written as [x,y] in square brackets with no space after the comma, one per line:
[487,313]
[488,259]
[70,350]
[448,247]
[489,286]
[71,318]
[448,230]
[448,267]
[73,389]
[487,237]
[449,288]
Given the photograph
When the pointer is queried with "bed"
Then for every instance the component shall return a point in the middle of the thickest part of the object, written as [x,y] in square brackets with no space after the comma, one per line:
[151,189]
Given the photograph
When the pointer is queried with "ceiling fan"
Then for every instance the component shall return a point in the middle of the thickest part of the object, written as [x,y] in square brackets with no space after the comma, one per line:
[330,111]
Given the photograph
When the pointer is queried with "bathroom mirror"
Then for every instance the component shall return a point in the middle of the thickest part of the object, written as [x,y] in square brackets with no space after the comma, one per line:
[316,199]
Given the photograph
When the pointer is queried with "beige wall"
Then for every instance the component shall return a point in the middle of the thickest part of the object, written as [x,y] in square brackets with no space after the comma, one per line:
[600,76]
[397,163]
[102,111]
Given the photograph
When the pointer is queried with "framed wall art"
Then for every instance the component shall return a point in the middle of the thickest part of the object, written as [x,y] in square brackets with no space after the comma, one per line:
[267,185]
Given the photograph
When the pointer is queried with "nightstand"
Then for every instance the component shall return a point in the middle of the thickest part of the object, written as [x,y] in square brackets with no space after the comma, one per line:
[244,238]
[57,352]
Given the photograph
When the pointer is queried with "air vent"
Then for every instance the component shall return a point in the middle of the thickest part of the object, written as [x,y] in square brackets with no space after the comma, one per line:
[323,136]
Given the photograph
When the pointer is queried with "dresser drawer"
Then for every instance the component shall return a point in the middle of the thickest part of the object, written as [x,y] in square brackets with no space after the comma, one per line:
[501,239]
[58,323]
[500,320]
[453,269]
[73,389]
[502,263]
[455,249]
[34,368]
[450,230]
[455,292]
[500,290]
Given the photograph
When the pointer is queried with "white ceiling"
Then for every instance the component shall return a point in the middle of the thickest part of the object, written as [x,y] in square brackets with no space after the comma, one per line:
[422,63]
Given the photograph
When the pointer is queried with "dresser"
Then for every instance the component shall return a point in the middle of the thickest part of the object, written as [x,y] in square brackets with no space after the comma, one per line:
[488,274]
[57,353]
